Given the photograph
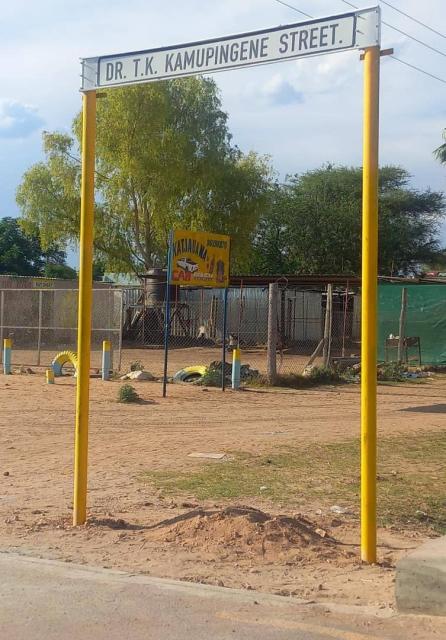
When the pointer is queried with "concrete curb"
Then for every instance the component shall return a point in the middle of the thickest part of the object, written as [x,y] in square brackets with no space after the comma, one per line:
[100,575]
[421,580]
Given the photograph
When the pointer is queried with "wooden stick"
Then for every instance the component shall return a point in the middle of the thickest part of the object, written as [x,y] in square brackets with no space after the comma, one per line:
[402,327]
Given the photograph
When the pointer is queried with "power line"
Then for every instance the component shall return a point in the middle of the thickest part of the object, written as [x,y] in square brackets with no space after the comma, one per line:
[428,46]
[285,4]
[408,64]
[423,24]
[412,66]
[404,33]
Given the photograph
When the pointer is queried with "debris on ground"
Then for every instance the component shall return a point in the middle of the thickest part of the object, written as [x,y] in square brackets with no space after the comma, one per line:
[138,375]
[417,374]
[209,456]
[23,370]
[337,509]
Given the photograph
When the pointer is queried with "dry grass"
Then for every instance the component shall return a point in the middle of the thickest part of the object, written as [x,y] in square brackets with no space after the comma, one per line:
[411,478]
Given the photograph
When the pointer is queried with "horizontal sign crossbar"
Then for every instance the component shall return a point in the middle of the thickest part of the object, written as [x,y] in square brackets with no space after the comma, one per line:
[358,29]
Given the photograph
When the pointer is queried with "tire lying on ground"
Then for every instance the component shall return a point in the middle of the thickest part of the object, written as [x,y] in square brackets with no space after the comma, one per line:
[62,358]
[190,374]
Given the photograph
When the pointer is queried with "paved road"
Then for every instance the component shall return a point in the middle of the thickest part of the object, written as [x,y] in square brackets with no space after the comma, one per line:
[49,600]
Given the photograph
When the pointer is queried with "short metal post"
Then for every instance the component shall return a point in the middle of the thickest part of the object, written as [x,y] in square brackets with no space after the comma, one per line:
[7,350]
[236,359]
[106,359]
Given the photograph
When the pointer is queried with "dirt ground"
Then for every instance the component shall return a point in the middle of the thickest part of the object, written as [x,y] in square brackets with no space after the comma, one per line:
[153,358]
[309,551]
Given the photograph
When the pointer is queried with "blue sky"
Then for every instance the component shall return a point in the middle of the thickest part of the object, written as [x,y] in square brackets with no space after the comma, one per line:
[302,113]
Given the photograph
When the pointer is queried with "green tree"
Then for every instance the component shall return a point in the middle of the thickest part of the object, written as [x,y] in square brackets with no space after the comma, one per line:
[440,152]
[165,160]
[22,254]
[314,224]
[62,271]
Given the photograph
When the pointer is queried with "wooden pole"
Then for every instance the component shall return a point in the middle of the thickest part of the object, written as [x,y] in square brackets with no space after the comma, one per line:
[272,332]
[402,327]
[327,325]
[315,353]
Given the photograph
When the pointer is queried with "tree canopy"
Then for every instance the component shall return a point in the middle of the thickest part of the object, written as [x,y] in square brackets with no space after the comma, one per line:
[22,254]
[165,159]
[440,152]
[314,224]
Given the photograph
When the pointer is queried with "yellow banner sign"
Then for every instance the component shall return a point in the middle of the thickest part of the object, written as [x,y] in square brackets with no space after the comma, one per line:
[200,259]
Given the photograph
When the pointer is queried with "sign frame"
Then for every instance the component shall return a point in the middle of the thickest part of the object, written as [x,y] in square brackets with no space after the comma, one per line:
[366,32]
[368,39]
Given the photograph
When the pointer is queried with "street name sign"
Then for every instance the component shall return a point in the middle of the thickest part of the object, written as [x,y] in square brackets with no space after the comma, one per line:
[354,30]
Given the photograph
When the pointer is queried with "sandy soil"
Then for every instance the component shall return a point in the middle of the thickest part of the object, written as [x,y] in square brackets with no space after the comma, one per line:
[153,359]
[135,528]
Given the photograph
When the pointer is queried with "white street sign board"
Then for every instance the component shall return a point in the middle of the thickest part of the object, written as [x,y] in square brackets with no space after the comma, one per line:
[353,30]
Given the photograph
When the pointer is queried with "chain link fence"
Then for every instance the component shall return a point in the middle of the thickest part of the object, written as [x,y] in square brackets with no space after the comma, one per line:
[43,322]
[197,318]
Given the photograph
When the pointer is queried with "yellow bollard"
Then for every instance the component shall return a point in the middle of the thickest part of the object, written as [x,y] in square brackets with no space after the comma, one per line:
[106,359]
[236,362]
[7,356]
[49,376]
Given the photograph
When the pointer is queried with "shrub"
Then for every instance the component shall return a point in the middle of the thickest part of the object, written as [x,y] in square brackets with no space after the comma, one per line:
[391,372]
[316,376]
[127,393]
[325,375]
[212,378]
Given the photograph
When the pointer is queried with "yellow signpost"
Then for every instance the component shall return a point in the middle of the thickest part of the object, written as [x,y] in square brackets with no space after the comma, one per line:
[195,262]
[369,303]
[84,310]
[200,259]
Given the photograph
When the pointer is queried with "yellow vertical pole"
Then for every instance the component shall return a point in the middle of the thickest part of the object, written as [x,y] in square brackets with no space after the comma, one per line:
[369,303]
[84,310]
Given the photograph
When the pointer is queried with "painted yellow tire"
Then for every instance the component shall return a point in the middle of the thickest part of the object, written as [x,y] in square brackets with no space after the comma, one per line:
[62,358]
[190,374]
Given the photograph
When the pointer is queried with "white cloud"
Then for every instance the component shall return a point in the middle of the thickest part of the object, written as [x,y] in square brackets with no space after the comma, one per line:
[18,120]
[302,113]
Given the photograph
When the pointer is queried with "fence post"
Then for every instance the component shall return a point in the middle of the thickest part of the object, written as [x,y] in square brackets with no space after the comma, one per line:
[7,349]
[2,307]
[271,366]
[39,330]
[328,325]
[225,326]
[402,327]
[121,328]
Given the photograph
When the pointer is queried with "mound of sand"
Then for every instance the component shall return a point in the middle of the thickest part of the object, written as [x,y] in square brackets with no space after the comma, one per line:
[246,531]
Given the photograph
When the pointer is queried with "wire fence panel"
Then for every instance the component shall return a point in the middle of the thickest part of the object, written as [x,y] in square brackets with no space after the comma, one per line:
[302,315]
[196,331]
[43,322]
